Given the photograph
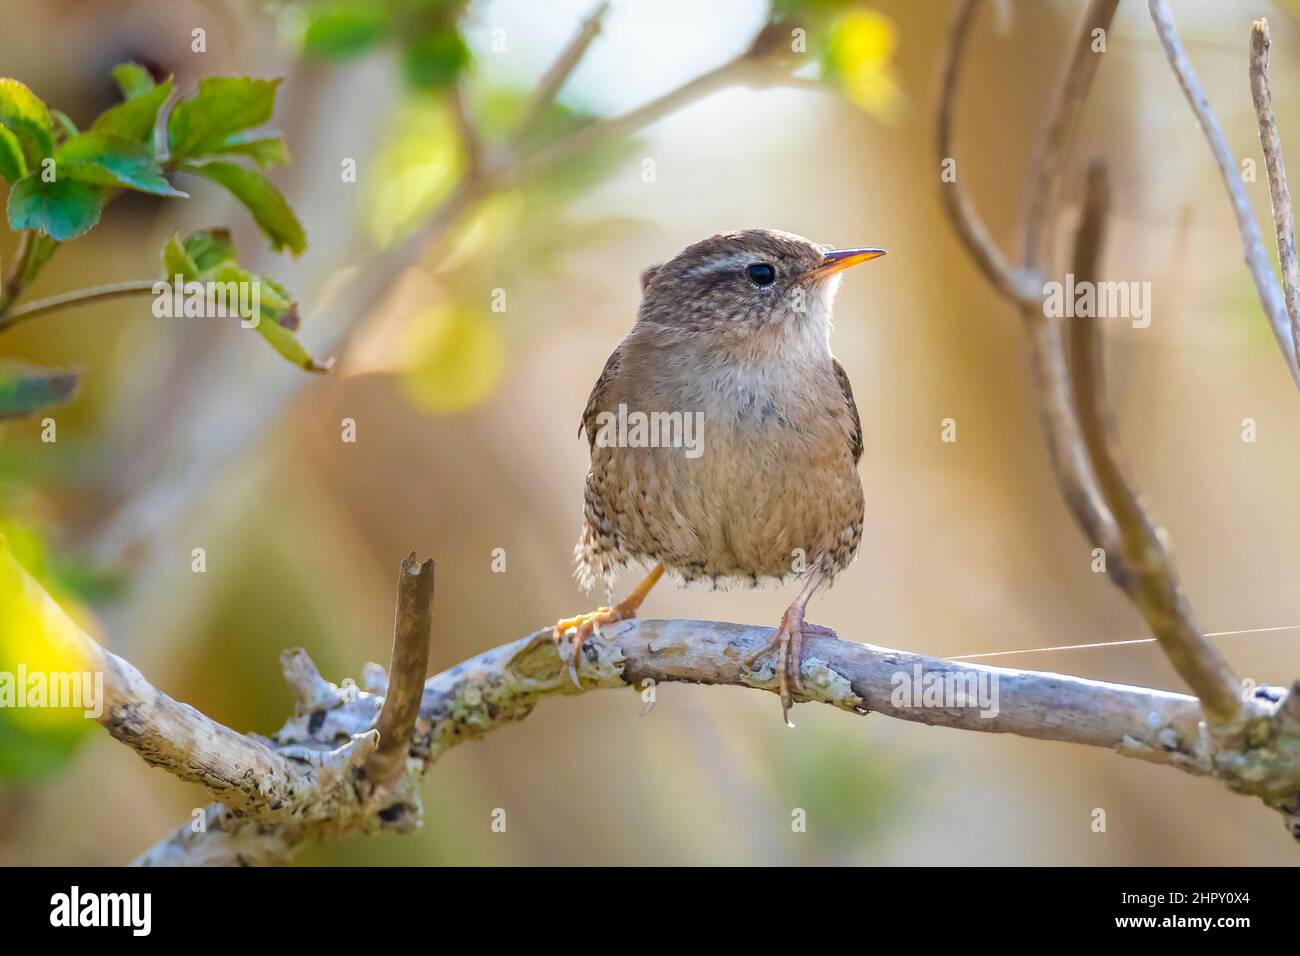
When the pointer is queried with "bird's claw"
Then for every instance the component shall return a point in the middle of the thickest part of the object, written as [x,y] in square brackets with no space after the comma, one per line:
[788,644]
[583,626]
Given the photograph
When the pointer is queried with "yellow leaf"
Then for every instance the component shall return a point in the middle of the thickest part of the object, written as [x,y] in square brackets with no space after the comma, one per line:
[858,57]
[39,637]
[457,357]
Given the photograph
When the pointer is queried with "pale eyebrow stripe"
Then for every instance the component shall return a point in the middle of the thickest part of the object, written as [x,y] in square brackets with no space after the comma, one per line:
[721,265]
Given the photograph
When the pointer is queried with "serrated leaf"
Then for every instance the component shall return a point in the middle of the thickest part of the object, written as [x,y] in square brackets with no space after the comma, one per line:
[25,115]
[338,30]
[134,119]
[61,210]
[13,166]
[26,389]
[267,204]
[133,79]
[434,60]
[222,107]
[106,160]
[265,149]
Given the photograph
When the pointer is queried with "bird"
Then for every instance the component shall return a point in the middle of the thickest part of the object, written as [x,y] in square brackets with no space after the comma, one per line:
[725,439]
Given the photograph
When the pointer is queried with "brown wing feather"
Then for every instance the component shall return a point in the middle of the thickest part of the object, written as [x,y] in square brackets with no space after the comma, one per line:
[843,378]
[593,400]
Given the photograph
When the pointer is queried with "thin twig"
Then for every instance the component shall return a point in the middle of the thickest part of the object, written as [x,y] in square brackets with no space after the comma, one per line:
[1083,449]
[1048,165]
[554,79]
[99,293]
[1147,572]
[1256,258]
[1283,219]
[963,215]
[410,660]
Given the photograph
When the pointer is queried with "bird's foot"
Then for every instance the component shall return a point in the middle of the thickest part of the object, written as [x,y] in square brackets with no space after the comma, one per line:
[788,644]
[583,626]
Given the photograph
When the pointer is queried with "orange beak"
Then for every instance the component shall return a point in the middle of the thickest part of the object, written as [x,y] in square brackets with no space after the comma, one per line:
[840,259]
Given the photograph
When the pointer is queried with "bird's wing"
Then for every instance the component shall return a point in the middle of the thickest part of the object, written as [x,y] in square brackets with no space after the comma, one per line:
[855,443]
[595,400]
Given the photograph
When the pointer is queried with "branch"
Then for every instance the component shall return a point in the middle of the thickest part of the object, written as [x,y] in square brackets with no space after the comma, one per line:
[963,215]
[1081,439]
[1283,221]
[1048,166]
[1147,572]
[411,634]
[54,303]
[1256,258]
[548,88]
[505,684]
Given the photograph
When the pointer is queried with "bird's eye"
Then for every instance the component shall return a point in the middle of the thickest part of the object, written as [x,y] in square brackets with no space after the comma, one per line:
[760,273]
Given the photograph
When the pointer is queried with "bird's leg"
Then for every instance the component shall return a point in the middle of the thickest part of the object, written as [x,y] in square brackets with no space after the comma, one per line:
[788,642]
[584,625]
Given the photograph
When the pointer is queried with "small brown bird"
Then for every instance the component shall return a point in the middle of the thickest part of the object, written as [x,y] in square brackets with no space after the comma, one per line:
[724,437]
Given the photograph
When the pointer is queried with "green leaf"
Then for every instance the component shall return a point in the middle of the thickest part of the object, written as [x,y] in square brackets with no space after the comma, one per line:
[434,60]
[209,256]
[133,79]
[134,120]
[176,261]
[61,210]
[13,166]
[338,31]
[106,160]
[25,389]
[265,149]
[268,206]
[223,106]
[27,117]
[63,125]
[209,248]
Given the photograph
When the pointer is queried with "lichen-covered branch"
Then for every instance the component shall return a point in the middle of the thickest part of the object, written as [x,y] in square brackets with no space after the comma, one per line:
[506,684]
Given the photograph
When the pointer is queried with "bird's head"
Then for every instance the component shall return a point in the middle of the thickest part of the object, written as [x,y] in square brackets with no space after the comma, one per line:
[747,281]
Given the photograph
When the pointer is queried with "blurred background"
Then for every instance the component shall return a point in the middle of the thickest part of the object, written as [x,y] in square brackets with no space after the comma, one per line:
[194,434]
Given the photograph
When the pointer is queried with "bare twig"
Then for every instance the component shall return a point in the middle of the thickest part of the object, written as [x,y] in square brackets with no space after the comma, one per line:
[1256,258]
[410,660]
[965,218]
[553,80]
[1081,442]
[1048,165]
[1283,220]
[1147,572]
[505,684]
[99,293]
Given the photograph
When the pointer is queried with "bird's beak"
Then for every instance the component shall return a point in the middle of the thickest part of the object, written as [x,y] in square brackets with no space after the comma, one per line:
[840,259]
